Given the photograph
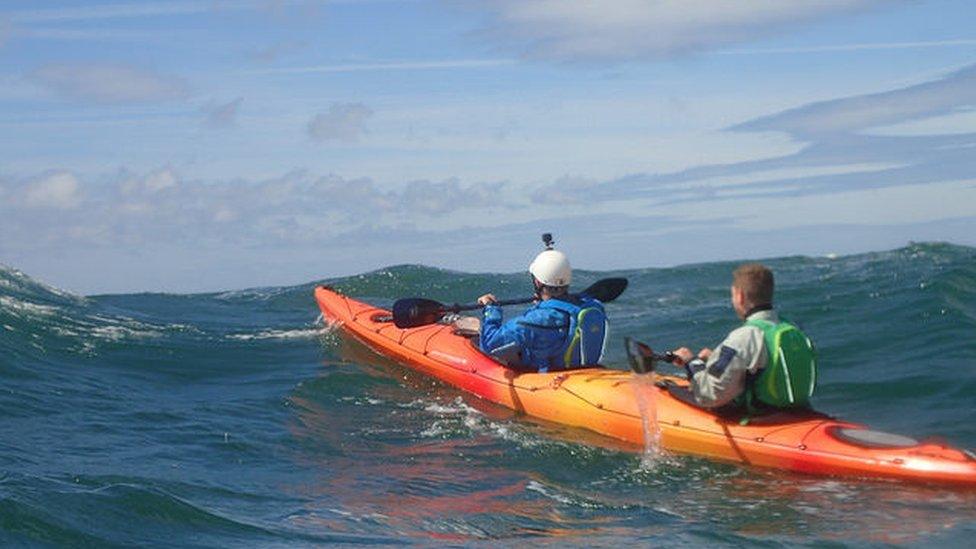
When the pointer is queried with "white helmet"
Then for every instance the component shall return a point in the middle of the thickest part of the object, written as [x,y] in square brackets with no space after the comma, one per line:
[551,268]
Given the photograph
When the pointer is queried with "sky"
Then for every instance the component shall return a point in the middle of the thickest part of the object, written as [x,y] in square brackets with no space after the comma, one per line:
[198,145]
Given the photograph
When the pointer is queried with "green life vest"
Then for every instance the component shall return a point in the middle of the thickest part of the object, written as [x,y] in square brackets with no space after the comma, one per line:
[790,375]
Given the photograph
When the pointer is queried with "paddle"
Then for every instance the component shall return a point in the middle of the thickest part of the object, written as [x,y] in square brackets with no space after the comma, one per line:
[417,311]
[642,358]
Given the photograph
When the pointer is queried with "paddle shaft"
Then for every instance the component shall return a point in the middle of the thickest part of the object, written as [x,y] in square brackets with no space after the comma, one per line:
[473,306]
[413,312]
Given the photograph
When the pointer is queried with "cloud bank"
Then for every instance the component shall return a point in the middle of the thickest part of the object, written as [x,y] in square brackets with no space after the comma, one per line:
[841,154]
[592,30]
[853,114]
[63,210]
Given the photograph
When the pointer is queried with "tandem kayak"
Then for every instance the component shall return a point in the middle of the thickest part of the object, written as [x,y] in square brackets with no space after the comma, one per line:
[609,402]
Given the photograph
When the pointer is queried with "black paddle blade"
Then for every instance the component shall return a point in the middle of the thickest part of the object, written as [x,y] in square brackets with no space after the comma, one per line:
[640,356]
[606,290]
[415,311]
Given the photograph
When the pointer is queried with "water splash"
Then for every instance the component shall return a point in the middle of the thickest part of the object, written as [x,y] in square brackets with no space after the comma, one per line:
[646,394]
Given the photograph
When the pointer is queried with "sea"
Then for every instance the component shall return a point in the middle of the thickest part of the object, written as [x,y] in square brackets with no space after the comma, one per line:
[240,419]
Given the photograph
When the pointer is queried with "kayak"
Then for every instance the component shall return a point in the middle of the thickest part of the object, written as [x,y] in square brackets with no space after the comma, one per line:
[609,402]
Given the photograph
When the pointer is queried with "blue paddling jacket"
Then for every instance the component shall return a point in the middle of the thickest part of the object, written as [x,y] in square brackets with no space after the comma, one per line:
[553,334]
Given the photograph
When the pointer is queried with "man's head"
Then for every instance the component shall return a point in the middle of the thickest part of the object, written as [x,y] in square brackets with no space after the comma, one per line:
[752,286]
[551,273]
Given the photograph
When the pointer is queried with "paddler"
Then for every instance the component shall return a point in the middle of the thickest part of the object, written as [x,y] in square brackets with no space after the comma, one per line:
[560,331]
[764,363]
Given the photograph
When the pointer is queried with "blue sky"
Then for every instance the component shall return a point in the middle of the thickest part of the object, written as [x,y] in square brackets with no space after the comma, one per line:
[189,145]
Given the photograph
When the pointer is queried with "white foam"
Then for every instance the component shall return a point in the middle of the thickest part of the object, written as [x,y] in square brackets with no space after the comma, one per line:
[115,329]
[261,294]
[279,334]
[117,333]
[456,407]
[538,487]
[359,401]
[454,416]
[330,324]
[27,306]
[535,486]
[436,430]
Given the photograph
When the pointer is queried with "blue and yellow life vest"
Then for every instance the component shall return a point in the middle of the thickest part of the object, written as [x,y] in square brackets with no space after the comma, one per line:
[584,335]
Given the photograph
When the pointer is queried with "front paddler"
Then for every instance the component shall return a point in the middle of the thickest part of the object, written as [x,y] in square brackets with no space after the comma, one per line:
[560,331]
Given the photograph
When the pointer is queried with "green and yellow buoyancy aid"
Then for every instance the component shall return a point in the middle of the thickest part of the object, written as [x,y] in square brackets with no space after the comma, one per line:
[790,375]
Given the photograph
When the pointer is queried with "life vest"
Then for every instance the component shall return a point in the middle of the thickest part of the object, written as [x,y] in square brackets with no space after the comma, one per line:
[586,334]
[790,375]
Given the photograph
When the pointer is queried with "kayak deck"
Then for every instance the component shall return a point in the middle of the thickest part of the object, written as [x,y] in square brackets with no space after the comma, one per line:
[609,402]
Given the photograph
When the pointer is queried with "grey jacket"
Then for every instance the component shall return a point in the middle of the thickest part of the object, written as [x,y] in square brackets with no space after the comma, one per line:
[723,376]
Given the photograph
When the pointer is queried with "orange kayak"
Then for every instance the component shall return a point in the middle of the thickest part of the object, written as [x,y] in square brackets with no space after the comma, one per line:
[609,402]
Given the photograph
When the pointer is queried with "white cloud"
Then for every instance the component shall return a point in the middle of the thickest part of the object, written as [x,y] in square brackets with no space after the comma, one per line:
[59,190]
[893,205]
[222,115]
[448,196]
[224,215]
[117,11]
[955,123]
[134,208]
[343,122]
[583,30]
[853,114]
[127,209]
[141,188]
[722,183]
[160,179]
[286,217]
[846,147]
[397,66]
[854,47]
[106,83]
[134,10]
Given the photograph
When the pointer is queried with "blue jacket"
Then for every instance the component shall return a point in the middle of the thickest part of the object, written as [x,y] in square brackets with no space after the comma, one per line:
[546,336]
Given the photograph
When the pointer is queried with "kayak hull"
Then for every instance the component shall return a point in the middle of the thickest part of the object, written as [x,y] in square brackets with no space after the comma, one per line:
[609,402]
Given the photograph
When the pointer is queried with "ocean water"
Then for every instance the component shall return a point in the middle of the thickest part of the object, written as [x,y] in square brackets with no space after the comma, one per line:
[238,419]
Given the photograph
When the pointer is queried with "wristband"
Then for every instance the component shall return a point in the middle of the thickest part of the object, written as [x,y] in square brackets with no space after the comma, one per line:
[694,366]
